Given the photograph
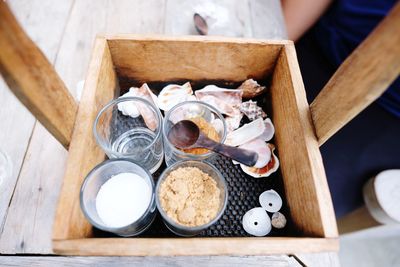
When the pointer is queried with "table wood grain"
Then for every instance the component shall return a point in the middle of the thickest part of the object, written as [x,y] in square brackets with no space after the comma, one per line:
[65,32]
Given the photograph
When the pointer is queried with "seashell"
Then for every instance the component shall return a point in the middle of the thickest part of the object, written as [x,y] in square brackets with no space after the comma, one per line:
[232,123]
[265,171]
[270,200]
[174,94]
[218,125]
[256,222]
[133,109]
[227,101]
[128,108]
[200,24]
[261,148]
[269,130]
[246,133]
[252,111]
[278,220]
[251,88]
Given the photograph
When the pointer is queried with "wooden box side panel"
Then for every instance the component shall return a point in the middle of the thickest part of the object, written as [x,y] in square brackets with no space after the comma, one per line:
[193,246]
[101,85]
[304,176]
[182,58]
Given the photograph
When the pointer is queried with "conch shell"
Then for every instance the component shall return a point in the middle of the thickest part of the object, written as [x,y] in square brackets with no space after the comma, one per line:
[227,101]
[252,111]
[174,94]
[251,88]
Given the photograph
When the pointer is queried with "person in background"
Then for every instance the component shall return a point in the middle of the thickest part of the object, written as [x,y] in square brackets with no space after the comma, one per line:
[325,33]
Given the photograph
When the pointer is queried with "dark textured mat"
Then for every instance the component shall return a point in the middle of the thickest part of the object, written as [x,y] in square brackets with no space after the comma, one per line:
[243,193]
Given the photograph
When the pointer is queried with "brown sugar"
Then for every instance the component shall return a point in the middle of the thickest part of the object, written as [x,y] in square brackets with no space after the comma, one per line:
[208,130]
[190,197]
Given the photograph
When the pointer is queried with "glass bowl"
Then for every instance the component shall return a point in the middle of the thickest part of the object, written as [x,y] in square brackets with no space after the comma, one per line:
[99,176]
[122,132]
[189,110]
[183,230]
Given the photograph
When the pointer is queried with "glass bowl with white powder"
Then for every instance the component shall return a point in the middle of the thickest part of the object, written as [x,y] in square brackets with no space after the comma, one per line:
[118,196]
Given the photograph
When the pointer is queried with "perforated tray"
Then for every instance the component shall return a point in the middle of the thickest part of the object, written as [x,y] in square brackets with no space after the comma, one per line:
[243,193]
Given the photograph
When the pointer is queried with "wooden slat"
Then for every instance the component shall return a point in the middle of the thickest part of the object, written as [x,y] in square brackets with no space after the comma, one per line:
[235,13]
[16,122]
[192,246]
[233,59]
[267,19]
[361,78]
[265,261]
[327,259]
[305,182]
[33,80]
[100,87]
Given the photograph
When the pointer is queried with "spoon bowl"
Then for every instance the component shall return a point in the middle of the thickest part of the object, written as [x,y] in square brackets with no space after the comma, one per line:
[186,134]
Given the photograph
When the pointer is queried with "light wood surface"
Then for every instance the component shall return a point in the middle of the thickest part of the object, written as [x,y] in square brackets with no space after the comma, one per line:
[193,246]
[361,79]
[33,80]
[305,182]
[65,32]
[140,58]
[356,220]
[16,133]
[265,261]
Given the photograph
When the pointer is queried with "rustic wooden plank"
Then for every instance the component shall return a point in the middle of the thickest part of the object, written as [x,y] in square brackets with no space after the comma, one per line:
[192,246]
[84,153]
[361,78]
[327,259]
[87,19]
[233,15]
[234,59]
[147,261]
[16,122]
[267,19]
[32,78]
[306,187]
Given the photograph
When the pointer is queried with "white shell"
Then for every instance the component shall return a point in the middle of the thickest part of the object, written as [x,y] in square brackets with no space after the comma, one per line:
[174,94]
[232,123]
[128,108]
[246,133]
[256,222]
[278,220]
[270,200]
[269,130]
[262,149]
[254,172]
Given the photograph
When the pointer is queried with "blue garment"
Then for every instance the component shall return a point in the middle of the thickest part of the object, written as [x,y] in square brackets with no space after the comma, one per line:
[344,26]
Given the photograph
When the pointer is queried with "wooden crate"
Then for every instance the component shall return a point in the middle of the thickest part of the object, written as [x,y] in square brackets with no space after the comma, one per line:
[158,58]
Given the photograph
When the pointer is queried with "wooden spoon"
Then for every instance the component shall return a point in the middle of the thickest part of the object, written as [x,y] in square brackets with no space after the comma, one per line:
[186,134]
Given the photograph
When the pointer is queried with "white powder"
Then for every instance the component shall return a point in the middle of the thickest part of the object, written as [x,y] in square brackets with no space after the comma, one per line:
[123,199]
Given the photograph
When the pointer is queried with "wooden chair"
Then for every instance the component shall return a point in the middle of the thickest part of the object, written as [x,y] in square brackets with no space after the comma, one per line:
[361,79]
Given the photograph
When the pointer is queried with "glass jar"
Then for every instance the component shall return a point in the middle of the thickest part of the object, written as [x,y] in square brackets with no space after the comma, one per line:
[130,127]
[186,111]
[97,178]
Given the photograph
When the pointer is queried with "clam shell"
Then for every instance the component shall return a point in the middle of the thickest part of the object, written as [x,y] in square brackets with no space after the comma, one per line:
[262,149]
[266,171]
[174,94]
[246,133]
[256,222]
[269,130]
[270,200]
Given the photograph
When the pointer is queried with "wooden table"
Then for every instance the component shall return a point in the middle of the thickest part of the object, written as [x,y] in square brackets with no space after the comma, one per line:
[65,32]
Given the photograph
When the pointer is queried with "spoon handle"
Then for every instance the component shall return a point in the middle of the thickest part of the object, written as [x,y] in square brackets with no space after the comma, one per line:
[244,156]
